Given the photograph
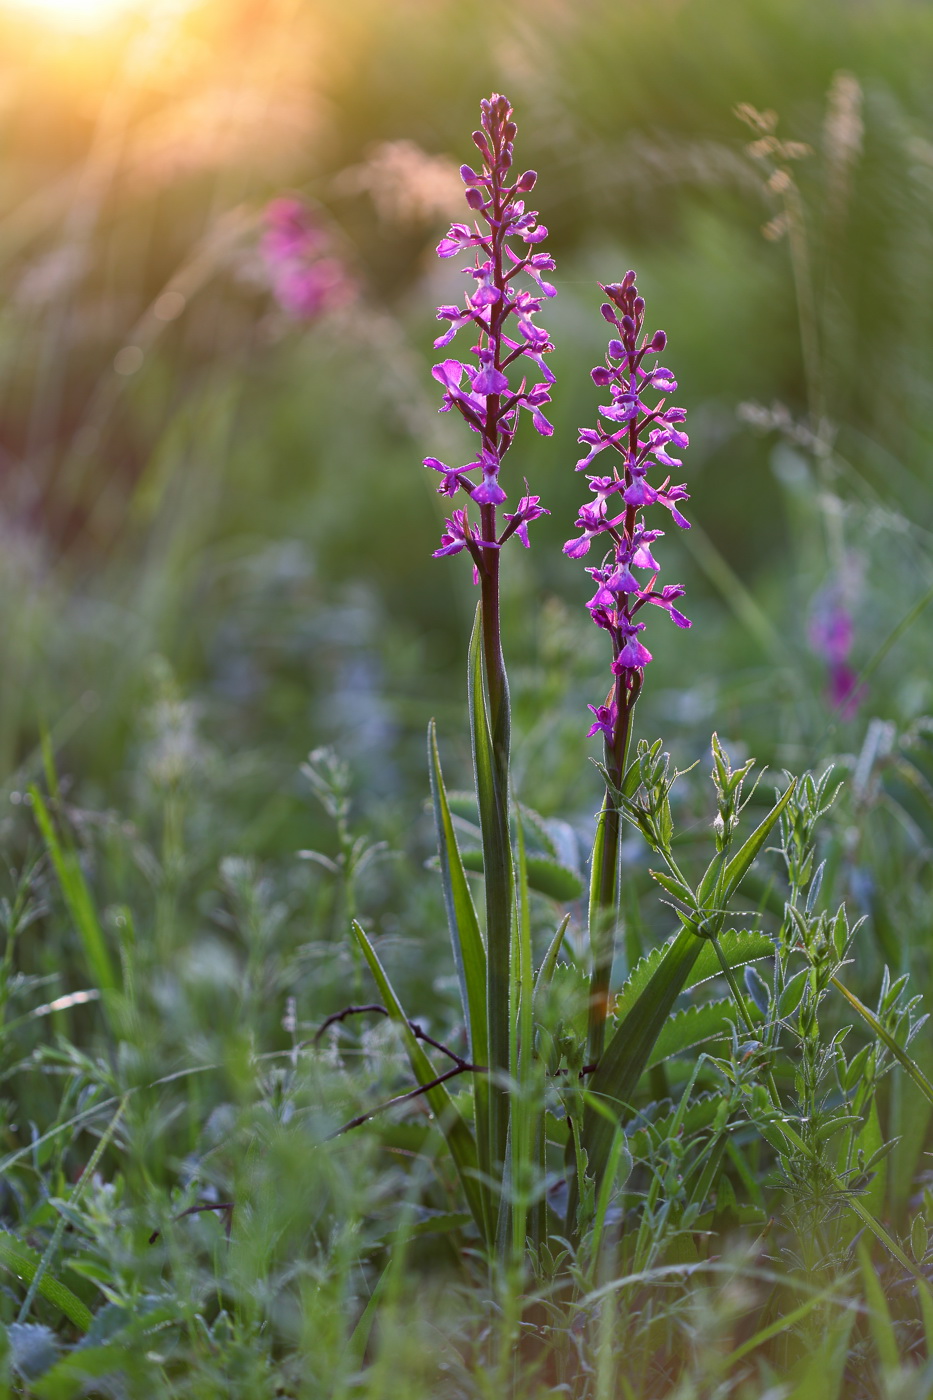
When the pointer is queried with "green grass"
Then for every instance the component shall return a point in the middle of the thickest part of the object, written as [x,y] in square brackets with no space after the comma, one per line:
[222,561]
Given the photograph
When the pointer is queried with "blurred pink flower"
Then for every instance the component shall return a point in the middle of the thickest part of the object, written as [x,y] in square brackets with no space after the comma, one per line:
[307,279]
[831,634]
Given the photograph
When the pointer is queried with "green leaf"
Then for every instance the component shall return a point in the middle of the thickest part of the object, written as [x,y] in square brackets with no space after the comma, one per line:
[741,861]
[879,1316]
[24,1261]
[692,1118]
[465,936]
[630,1049]
[901,1055]
[711,1021]
[459,1138]
[546,970]
[490,761]
[737,947]
[76,894]
[544,876]
[678,888]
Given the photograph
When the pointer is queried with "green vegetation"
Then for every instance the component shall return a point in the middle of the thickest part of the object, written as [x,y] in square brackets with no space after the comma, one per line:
[215,557]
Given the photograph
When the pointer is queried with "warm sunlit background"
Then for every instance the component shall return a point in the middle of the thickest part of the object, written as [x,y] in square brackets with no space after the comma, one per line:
[217,223]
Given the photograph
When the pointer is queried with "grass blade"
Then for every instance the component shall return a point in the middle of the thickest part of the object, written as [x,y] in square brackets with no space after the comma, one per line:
[459,1138]
[76,894]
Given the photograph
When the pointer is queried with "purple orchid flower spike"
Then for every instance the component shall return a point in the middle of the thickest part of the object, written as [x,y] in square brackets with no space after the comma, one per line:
[635,439]
[504,241]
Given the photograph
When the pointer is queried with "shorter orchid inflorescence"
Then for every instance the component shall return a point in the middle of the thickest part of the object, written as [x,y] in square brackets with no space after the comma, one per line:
[640,437]
[482,393]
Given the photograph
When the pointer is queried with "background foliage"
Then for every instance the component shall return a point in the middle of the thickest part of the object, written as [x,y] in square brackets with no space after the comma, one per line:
[215,541]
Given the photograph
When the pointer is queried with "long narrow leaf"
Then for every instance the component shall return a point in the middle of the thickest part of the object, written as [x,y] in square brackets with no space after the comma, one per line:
[493,799]
[465,935]
[743,858]
[627,1054]
[546,970]
[25,1262]
[459,1138]
[76,894]
[883,1034]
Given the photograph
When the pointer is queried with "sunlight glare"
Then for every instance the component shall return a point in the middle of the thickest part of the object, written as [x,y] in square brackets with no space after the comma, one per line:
[74,14]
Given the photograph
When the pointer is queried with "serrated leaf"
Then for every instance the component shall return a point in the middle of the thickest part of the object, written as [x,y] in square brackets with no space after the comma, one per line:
[700,1114]
[711,1021]
[738,948]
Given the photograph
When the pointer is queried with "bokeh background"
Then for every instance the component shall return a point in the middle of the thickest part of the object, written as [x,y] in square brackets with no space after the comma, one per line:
[215,531]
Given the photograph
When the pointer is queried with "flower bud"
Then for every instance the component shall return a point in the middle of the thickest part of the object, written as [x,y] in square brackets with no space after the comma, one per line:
[658,342]
[468,175]
[526,182]
[638,306]
[474,198]
[482,145]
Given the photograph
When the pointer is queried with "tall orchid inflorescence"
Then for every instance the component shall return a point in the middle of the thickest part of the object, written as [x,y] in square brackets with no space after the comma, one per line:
[503,315]
[640,436]
[637,436]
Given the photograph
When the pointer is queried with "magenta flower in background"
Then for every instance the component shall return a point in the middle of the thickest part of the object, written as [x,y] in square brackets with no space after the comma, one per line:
[503,242]
[634,441]
[307,279]
[831,634]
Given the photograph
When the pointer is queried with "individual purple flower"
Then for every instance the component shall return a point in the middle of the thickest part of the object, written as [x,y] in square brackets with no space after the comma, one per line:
[458,536]
[504,241]
[529,508]
[636,437]
[307,280]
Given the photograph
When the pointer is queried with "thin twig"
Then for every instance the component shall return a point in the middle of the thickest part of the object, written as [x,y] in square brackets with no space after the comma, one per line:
[227,1206]
[462,1068]
[413,1026]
